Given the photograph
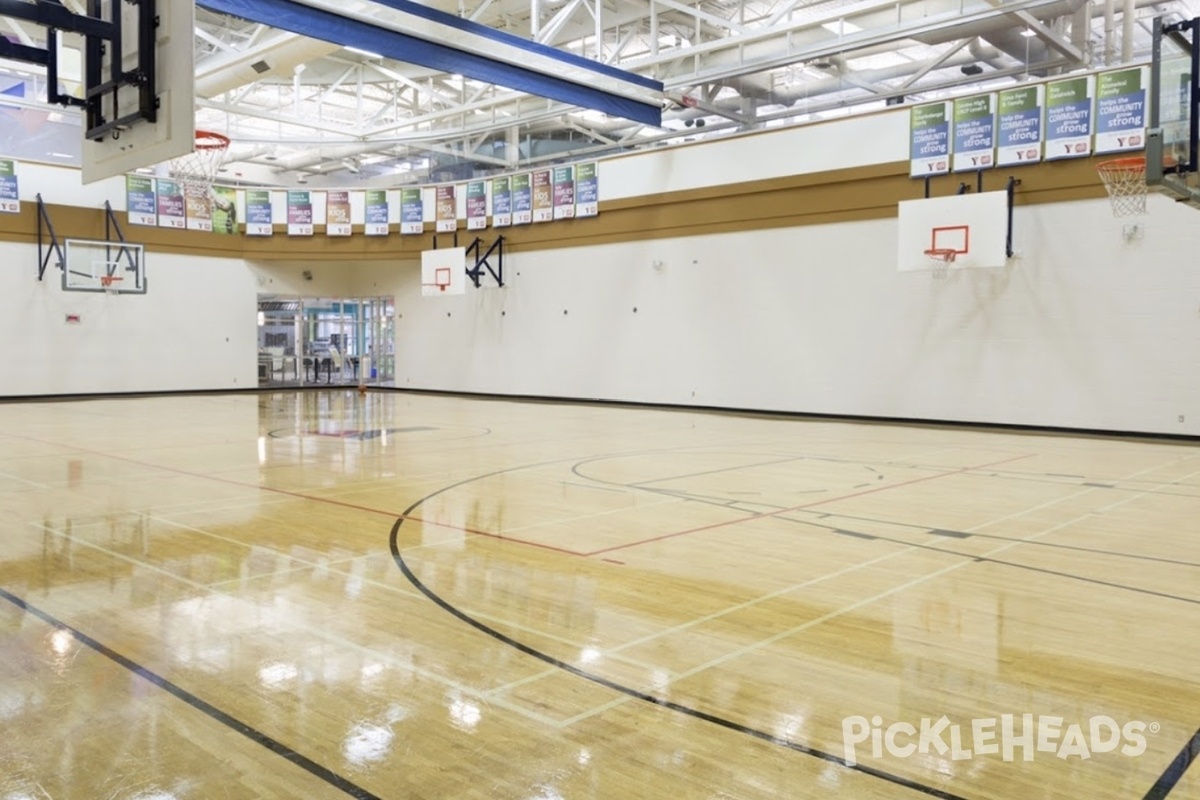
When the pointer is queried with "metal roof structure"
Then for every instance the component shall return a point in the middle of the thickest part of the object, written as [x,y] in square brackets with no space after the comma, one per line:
[300,109]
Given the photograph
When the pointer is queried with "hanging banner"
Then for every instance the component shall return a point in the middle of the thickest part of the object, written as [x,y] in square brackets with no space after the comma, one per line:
[376,213]
[522,200]
[476,205]
[412,211]
[1019,130]
[1121,110]
[258,213]
[543,199]
[501,202]
[1069,117]
[140,200]
[447,209]
[172,212]
[974,133]
[224,210]
[587,190]
[10,197]
[337,214]
[929,140]
[199,207]
[299,213]
[564,192]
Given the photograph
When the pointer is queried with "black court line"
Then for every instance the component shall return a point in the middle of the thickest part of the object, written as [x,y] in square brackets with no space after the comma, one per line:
[983,559]
[253,734]
[897,780]
[722,502]
[995,537]
[949,534]
[1174,772]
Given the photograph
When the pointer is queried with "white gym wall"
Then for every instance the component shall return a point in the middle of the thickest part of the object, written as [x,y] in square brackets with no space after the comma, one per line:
[1084,330]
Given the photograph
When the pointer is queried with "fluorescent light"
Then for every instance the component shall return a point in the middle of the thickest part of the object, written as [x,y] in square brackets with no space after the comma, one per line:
[1028,33]
[366,53]
[62,155]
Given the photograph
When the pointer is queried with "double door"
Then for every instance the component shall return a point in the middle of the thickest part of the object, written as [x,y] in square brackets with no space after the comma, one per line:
[322,340]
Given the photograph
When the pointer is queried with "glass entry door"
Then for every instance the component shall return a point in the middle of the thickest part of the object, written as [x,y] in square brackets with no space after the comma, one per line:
[326,341]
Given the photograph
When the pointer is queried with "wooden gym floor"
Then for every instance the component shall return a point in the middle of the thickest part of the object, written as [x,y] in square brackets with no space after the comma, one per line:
[321,594]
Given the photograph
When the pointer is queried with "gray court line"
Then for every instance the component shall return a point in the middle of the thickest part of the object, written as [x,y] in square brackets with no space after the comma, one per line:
[909,548]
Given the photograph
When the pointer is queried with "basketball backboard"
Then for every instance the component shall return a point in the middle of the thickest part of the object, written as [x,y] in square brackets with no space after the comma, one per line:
[973,226]
[144,143]
[444,272]
[102,266]
[1171,146]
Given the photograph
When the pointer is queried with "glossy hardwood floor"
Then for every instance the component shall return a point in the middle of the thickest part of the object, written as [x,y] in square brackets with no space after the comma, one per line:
[322,594]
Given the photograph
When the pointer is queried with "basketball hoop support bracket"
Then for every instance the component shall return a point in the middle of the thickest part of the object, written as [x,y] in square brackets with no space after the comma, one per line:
[101,91]
[1011,190]
[474,250]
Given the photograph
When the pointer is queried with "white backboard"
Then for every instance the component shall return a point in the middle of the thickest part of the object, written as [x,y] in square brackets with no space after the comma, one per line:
[975,226]
[446,268]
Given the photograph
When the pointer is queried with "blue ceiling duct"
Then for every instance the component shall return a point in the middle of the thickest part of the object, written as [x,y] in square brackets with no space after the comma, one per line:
[623,94]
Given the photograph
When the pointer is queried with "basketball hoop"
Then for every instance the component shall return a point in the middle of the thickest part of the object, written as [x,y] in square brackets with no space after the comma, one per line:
[111,283]
[940,260]
[197,170]
[1125,180]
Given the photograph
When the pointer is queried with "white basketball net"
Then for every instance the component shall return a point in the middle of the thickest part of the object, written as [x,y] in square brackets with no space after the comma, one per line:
[1125,180]
[197,170]
[940,261]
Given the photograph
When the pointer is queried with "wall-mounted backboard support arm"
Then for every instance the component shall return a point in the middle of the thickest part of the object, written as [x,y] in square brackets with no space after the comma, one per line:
[47,249]
[483,262]
[1011,190]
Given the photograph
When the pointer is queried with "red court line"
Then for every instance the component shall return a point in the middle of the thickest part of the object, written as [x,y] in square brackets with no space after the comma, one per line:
[761,515]
[328,501]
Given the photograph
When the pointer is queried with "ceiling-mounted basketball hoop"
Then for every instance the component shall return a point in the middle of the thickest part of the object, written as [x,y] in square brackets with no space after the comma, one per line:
[197,170]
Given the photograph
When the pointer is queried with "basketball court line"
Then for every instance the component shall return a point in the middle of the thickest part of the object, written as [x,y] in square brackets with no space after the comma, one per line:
[632,693]
[976,534]
[593,515]
[701,620]
[637,694]
[229,721]
[321,633]
[639,484]
[1175,771]
[908,546]
[823,501]
[329,500]
[366,580]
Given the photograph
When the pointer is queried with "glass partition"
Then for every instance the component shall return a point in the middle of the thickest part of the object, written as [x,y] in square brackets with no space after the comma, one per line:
[326,340]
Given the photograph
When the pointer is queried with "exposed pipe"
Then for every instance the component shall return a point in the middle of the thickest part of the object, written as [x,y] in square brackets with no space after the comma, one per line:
[1081,29]
[1127,20]
[1109,27]
[982,51]
[276,57]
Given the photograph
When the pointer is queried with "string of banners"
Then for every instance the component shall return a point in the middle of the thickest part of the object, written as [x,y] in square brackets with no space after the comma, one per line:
[1069,118]
[547,195]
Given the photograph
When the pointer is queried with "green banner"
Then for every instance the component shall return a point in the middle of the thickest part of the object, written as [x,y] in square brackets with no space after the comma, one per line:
[224,210]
